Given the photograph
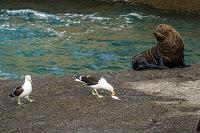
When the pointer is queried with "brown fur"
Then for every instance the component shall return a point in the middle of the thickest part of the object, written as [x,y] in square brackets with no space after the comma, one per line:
[167,53]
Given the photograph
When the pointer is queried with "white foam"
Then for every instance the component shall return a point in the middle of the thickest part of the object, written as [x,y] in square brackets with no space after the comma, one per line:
[6,75]
[137,15]
[73,15]
[93,17]
[72,18]
[89,31]
[54,32]
[6,27]
[36,14]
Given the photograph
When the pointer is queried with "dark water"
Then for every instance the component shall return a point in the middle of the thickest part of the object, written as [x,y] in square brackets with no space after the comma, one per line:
[42,43]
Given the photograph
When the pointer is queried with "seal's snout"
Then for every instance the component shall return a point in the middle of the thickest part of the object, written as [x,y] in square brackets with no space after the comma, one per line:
[155,34]
[159,36]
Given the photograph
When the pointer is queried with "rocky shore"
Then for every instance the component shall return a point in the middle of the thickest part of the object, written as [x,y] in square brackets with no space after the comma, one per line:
[151,101]
[175,5]
[75,5]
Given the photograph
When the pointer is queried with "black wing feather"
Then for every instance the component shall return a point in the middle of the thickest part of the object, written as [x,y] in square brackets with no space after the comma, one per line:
[89,80]
[17,91]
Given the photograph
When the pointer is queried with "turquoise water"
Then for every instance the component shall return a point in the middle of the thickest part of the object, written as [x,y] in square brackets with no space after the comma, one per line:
[48,43]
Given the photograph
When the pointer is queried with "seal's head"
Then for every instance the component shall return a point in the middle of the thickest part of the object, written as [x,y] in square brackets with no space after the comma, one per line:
[163,32]
[168,38]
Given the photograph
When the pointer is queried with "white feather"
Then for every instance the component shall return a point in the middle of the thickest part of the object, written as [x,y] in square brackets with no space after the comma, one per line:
[78,80]
[27,87]
[103,84]
[102,81]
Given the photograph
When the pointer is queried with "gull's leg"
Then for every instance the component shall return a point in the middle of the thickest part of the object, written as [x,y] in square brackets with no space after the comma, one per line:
[99,96]
[30,100]
[18,101]
[93,92]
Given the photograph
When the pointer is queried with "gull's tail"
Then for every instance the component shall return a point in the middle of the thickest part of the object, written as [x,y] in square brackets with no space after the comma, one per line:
[11,95]
[102,81]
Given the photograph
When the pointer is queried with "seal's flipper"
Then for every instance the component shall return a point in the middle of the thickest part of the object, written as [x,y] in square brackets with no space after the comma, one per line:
[143,64]
[198,126]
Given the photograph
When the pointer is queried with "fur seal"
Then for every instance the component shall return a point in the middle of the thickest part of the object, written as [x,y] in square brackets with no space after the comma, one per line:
[168,52]
[198,126]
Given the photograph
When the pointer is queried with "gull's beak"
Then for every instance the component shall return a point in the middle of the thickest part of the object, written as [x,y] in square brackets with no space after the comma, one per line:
[113,96]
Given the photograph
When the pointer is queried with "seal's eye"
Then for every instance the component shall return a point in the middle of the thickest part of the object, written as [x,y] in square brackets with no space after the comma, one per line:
[161,31]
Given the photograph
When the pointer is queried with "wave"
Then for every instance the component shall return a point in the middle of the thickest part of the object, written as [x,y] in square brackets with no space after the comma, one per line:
[53,32]
[6,27]
[30,14]
[92,17]
[137,15]
[6,75]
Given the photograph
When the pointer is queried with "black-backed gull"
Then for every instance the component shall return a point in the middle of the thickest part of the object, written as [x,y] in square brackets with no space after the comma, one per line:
[95,84]
[23,91]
